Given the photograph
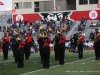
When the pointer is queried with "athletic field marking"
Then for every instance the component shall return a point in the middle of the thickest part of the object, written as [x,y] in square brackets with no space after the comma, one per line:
[50,67]
[98,63]
[83,63]
[93,60]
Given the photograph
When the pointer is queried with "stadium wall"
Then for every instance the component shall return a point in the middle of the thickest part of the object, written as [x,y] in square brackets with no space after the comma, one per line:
[73,15]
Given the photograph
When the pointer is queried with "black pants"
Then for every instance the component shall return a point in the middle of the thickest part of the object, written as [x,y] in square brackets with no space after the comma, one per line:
[41,49]
[95,48]
[56,52]
[80,50]
[98,50]
[16,54]
[13,49]
[61,51]
[21,57]
[5,50]
[27,50]
[46,56]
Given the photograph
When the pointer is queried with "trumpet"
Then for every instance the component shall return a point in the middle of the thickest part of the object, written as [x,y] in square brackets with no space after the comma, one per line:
[58,31]
[43,34]
[78,42]
[15,31]
[19,38]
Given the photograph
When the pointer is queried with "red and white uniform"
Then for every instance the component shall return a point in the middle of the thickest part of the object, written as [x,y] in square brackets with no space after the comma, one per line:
[98,35]
[21,44]
[28,39]
[7,39]
[82,38]
[47,42]
[63,39]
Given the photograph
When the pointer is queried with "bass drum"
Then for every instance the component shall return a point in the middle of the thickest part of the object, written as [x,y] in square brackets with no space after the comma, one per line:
[33,49]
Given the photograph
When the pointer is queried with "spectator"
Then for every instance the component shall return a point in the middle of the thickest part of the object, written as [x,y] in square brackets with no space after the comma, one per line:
[33,32]
[63,28]
[53,28]
[83,20]
[22,21]
[94,24]
[0,28]
[83,34]
[8,28]
[68,27]
[79,27]
[25,22]
[65,20]
[91,24]
[4,28]
[60,19]
[91,35]
[71,22]
[97,24]
[8,21]
[30,23]
[50,30]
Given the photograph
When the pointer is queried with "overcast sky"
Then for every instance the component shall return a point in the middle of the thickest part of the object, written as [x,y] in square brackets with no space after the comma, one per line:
[7,6]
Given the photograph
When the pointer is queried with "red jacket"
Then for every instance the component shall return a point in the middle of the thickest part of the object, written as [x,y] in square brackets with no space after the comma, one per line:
[82,38]
[21,44]
[63,39]
[47,42]
[28,39]
[7,39]
[98,35]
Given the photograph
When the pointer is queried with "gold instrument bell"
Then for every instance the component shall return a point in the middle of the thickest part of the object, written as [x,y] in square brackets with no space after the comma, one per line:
[58,31]
[78,42]
[44,34]
[15,31]
[19,38]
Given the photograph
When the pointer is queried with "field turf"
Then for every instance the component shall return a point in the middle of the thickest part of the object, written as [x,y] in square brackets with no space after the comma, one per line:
[73,65]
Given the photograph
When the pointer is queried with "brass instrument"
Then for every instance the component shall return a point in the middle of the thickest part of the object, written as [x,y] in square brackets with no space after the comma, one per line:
[15,31]
[95,39]
[2,41]
[58,31]
[78,42]
[54,42]
[19,38]
[43,34]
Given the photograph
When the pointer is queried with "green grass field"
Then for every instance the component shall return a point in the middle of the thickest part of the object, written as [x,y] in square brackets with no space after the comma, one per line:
[73,65]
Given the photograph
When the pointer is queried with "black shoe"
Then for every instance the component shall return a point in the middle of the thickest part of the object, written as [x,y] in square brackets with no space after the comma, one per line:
[26,59]
[97,58]
[22,66]
[56,60]
[19,66]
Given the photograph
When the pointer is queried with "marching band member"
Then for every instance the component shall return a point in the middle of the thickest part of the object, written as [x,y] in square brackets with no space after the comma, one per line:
[27,46]
[80,45]
[5,46]
[44,43]
[55,49]
[97,46]
[20,52]
[46,51]
[40,42]
[60,39]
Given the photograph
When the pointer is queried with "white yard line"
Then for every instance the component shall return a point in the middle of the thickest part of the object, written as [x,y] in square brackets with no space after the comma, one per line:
[55,66]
